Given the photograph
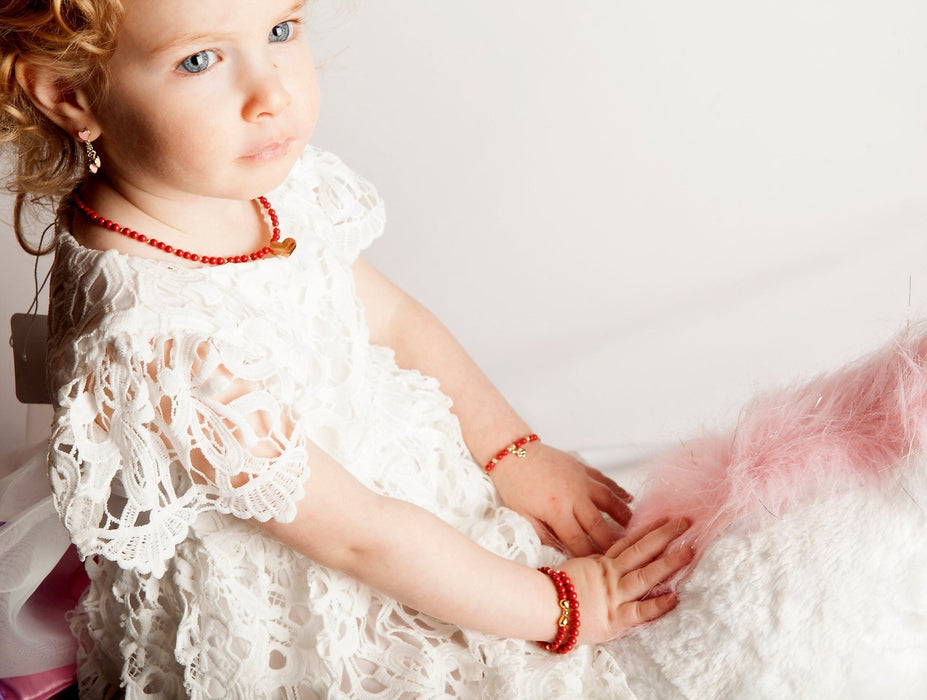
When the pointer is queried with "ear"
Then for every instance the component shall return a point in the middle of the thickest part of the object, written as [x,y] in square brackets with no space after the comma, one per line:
[66,106]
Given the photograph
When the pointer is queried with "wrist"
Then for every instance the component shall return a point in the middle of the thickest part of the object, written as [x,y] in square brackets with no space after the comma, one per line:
[568,621]
[516,449]
[492,433]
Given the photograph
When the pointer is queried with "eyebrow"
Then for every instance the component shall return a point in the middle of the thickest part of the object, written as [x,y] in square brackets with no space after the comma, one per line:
[205,37]
[183,40]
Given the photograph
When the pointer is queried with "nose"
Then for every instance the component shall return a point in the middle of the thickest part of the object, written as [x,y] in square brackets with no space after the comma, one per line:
[265,94]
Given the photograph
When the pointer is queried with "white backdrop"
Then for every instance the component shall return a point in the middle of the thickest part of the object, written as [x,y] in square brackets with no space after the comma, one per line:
[634,214]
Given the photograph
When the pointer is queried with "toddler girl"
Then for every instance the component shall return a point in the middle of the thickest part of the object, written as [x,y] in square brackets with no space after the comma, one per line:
[250,447]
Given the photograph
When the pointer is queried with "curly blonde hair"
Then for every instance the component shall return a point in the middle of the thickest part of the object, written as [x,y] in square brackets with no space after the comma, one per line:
[75,38]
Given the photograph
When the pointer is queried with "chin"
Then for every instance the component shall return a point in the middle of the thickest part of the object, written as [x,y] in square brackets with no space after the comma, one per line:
[265,176]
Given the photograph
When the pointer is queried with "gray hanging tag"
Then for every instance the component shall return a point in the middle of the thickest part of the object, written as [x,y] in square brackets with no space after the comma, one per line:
[28,340]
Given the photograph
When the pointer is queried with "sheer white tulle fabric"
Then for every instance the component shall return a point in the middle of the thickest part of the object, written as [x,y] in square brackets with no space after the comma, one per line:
[33,586]
[185,397]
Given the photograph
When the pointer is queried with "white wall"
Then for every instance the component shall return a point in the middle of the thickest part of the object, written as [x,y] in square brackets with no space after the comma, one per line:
[634,213]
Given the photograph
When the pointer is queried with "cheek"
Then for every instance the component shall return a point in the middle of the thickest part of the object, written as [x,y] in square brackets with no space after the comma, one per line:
[309,99]
[160,139]
[302,82]
[130,134]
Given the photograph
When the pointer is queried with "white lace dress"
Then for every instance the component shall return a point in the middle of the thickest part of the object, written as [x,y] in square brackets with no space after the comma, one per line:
[159,475]
[187,595]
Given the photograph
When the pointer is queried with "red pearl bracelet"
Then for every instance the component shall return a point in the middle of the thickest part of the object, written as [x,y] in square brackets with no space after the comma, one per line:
[568,624]
[517,448]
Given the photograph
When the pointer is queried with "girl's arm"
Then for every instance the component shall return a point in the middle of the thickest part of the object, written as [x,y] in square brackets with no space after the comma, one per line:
[417,559]
[558,494]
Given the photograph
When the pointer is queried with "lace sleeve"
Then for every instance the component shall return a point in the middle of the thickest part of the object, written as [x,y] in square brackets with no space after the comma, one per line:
[147,439]
[351,211]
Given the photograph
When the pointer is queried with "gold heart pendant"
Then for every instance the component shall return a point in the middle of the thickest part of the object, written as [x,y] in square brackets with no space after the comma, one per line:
[284,247]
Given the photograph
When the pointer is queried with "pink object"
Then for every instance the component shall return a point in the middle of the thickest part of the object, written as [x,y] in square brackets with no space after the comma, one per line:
[854,427]
[41,577]
[38,685]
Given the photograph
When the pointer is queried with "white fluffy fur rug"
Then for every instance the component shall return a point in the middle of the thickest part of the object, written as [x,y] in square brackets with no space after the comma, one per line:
[826,601]
[811,528]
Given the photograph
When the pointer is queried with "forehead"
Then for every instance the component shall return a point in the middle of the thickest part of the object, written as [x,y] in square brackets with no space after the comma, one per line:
[150,24]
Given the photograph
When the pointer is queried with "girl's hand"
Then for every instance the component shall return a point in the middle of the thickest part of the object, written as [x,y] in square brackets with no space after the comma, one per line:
[614,589]
[563,499]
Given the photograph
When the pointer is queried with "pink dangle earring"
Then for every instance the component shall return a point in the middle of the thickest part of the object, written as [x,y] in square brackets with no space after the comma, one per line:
[93,158]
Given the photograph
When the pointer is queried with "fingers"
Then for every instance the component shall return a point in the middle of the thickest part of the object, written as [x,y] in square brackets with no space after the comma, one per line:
[647,548]
[590,524]
[635,536]
[640,611]
[579,522]
[600,478]
[651,566]
[623,586]
[640,581]
[609,502]
[595,527]
[641,561]
[588,532]
[576,539]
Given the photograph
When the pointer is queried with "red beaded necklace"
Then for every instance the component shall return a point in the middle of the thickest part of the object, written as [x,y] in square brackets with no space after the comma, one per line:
[275,246]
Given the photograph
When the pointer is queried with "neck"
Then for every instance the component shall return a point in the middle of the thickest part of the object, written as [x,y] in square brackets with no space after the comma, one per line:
[211,226]
[210,243]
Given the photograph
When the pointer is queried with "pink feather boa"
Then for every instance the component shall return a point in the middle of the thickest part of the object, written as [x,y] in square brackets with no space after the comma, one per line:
[852,428]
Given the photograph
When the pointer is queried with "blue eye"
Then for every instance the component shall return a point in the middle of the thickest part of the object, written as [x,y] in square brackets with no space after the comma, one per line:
[198,62]
[281,32]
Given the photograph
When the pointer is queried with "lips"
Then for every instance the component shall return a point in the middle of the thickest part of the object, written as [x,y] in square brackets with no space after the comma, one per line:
[270,151]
